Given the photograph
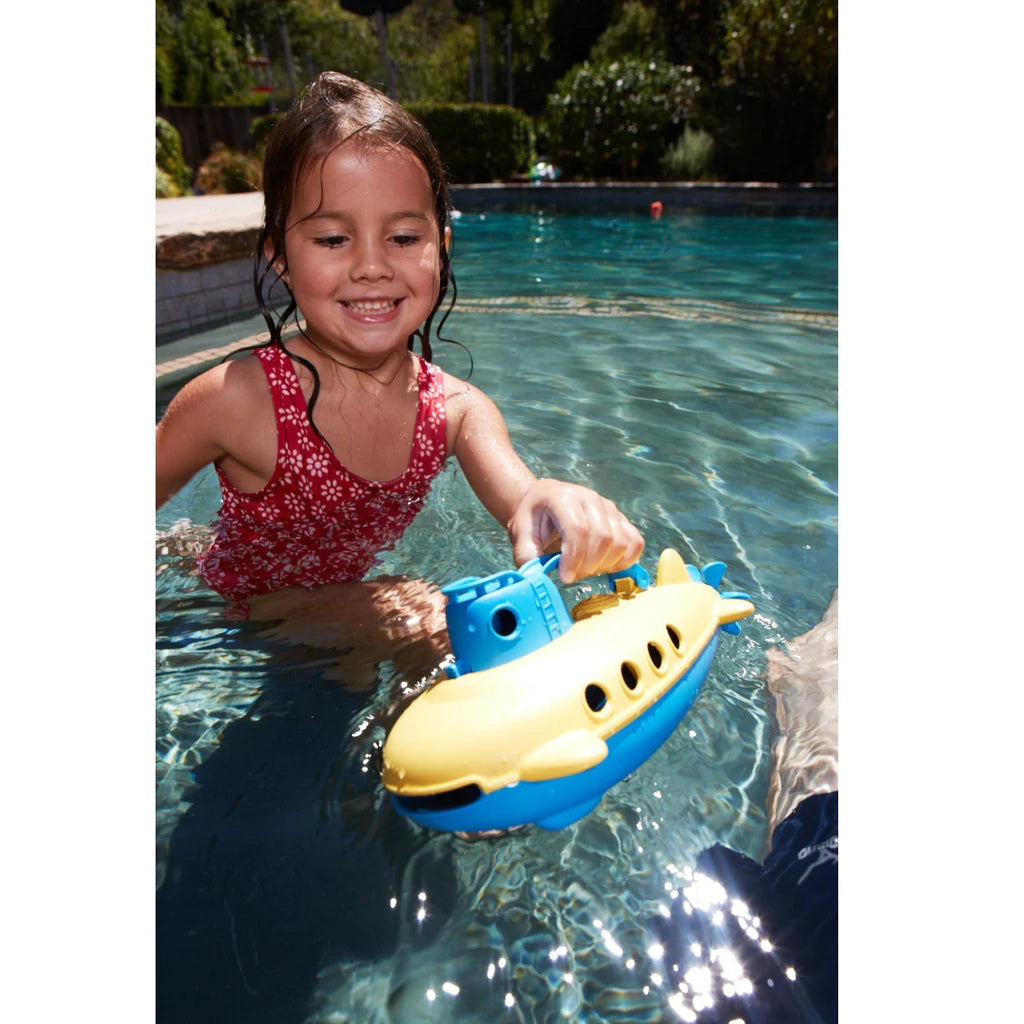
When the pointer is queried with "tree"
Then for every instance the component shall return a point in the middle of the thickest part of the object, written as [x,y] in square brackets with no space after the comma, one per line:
[480,8]
[768,70]
[553,36]
[325,37]
[431,44]
[692,33]
[634,32]
[378,9]
[777,88]
[197,60]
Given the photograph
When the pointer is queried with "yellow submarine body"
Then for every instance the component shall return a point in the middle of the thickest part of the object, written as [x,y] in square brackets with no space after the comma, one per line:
[547,713]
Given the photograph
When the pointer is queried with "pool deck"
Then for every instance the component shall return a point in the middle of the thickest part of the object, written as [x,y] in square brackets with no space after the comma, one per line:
[204,245]
[205,213]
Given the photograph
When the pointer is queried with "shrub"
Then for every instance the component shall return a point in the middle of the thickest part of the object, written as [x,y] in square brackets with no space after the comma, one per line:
[165,187]
[610,119]
[260,130]
[228,171]
[479,142]
[691,158]
[173,175]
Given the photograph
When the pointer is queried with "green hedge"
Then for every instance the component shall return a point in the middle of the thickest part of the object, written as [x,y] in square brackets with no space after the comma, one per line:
[479,142]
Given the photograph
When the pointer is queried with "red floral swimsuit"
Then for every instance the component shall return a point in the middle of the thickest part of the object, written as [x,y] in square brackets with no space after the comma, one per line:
[316,522]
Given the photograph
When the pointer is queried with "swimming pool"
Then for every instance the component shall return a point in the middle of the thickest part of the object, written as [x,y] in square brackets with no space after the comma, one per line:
[685,367]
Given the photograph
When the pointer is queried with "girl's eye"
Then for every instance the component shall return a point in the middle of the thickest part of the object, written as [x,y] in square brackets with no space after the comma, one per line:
[404,240]
[331,241]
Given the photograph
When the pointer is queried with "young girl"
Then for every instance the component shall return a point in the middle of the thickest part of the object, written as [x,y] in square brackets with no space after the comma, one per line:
[325,447]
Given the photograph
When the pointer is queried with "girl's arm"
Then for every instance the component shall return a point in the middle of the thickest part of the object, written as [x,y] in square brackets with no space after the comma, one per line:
[218,417]
[595,536]
[186,439]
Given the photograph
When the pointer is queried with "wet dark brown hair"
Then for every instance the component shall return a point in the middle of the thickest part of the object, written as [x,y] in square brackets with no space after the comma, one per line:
[332,110]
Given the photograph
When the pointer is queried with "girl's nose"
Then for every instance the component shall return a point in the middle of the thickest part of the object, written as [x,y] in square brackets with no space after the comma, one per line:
[370,261]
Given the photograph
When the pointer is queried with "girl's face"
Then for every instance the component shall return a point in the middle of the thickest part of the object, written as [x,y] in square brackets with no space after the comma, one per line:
[362,251]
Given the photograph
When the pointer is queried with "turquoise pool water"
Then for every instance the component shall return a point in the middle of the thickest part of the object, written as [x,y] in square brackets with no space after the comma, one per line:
[687,368]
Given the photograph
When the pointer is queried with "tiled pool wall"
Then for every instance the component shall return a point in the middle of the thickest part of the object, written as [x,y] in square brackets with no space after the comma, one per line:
[192,298]
[204,273]
[204,278]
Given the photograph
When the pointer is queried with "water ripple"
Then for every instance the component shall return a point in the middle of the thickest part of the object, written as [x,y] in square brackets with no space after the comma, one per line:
[694,310]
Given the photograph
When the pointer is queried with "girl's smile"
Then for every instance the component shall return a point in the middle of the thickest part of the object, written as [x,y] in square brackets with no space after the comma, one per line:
[363,261]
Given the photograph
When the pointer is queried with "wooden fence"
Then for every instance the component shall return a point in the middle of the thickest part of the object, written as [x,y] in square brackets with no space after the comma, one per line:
[201,127]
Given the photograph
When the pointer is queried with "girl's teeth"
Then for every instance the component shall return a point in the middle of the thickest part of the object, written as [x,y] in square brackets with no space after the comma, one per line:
[371,307]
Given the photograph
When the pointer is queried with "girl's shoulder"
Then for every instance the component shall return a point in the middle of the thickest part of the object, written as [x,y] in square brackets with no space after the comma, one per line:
[241,372]
[460,396]
[456,389]
[466,405]
[233,384]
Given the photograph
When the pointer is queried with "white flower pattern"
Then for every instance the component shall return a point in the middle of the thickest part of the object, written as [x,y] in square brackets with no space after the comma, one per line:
[314,523]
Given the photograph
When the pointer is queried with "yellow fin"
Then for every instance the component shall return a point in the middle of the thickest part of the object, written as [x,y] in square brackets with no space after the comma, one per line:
[671,568]
[564,755]
[729,609]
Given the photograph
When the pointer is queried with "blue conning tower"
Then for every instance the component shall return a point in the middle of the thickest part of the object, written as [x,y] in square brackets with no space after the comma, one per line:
[495,619]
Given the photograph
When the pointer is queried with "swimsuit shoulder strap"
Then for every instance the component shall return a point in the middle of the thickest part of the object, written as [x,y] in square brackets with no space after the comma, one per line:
[432,401]
[290,412]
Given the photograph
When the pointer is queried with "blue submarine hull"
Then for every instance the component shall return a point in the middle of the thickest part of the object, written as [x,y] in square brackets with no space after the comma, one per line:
[555,803]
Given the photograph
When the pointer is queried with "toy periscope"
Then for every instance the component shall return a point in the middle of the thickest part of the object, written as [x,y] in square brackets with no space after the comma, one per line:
[543,711]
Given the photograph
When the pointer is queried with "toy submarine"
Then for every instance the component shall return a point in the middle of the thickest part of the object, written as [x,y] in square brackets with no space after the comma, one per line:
[544,711]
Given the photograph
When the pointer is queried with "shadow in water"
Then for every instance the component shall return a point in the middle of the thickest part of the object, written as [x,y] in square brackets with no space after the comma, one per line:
[286,861]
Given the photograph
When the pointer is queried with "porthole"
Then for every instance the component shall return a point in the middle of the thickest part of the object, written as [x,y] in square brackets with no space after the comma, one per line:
[595,697]
[674,638]
[629,676]
[504,621]
[654,653]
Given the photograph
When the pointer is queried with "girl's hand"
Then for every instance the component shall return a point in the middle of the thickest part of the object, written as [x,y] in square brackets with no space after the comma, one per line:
[595,536]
